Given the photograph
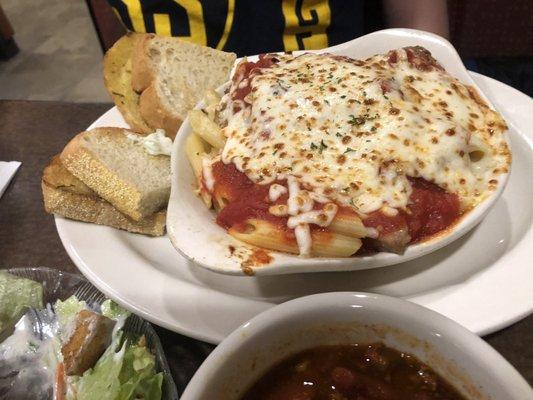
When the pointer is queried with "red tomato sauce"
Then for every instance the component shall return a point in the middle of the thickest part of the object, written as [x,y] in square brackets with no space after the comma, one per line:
[243,72]
[420,58]
[430,211]
[245,199]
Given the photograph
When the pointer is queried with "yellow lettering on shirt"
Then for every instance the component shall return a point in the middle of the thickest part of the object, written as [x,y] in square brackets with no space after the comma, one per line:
[227,26]
[136,15]
[306,22]
[195,15]
[162,24]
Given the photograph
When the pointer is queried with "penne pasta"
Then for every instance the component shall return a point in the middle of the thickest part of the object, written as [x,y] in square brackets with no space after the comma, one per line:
[211,100]
[263,234]
[331,244]
[324,244]
[207,198]
[206,129]
[219,201]
[349,225]
[195,147]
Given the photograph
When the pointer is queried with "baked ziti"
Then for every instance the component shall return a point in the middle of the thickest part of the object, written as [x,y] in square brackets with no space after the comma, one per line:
[324,155]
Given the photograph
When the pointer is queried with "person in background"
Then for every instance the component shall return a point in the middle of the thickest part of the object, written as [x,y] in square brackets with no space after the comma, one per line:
[259,26]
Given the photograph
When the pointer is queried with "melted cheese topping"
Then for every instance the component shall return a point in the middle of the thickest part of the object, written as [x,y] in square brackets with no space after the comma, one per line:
[318,217]
[299,200]
[207,173]
[352,131]
[303,238]
[275,191]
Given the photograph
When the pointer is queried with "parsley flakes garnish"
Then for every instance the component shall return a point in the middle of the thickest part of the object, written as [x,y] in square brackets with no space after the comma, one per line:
[348,149]
[356,120]
[322,147]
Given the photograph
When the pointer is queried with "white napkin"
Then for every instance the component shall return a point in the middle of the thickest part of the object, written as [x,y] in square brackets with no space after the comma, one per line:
[7,170]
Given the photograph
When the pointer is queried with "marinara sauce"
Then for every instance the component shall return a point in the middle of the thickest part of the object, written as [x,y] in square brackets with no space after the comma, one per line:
[245,199]
[245,70]
[430,211]
[352,372]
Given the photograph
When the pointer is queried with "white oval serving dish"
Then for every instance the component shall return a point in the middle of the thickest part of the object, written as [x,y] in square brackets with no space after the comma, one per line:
[195,234]
[456,354]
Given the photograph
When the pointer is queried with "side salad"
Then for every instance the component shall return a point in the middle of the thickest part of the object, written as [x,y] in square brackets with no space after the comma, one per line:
[70,350]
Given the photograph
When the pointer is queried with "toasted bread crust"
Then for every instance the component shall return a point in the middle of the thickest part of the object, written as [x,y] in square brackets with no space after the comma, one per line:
[118,81]
[56,175]
[132,79]
[123,190]
[154,112]
[84,165]
[95,210]
[148,79]
[142,73]
[87,342]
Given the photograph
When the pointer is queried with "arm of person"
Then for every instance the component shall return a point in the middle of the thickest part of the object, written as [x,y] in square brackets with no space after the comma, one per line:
[427,15]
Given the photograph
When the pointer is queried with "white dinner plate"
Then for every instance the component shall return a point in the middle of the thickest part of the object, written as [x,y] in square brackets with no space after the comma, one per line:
[484,280]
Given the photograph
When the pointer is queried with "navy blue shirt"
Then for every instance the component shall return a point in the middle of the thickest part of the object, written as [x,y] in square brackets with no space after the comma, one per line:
[247,27]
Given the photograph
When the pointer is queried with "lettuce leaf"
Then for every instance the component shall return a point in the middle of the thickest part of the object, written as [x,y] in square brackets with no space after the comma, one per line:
[66,313]
[112,310]
[127,374]
[15,295]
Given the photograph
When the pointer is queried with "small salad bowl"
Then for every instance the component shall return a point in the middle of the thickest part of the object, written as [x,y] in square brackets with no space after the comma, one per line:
[54,285]
[195,234]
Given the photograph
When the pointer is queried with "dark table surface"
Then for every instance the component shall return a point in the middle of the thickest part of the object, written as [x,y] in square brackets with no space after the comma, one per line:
[32,132]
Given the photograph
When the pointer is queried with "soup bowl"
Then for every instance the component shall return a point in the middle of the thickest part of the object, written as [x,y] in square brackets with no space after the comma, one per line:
[464,360]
